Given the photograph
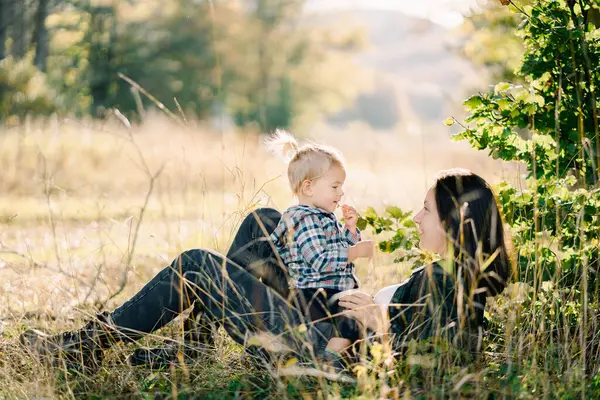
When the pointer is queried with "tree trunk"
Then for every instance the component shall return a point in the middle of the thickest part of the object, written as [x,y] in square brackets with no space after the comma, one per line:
[41,35]
[263,64]
[3,27]
[101,34]
[17,21]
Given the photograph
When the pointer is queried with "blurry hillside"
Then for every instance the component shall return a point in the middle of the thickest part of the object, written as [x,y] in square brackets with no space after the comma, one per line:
[254,65]
[418,76]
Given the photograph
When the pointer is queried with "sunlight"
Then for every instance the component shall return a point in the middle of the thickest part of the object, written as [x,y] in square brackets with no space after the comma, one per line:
[443,12]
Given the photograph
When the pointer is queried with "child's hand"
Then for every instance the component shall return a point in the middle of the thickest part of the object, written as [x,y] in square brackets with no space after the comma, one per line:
[350,217]
[365,248]
[362,249]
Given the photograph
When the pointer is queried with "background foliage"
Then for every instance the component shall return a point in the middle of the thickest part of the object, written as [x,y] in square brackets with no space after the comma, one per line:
[546,119]
[542,334]
[250,61]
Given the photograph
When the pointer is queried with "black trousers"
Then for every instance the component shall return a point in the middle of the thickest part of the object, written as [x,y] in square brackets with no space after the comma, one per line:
[319,305]
[227,290]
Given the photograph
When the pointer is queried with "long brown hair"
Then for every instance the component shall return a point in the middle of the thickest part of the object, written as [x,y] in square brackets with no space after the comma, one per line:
[469,213]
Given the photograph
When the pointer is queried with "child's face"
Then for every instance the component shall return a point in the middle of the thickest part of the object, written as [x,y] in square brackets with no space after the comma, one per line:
[326,192]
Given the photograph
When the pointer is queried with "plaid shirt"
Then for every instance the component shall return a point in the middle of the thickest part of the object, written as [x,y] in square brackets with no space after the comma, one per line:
[313,245]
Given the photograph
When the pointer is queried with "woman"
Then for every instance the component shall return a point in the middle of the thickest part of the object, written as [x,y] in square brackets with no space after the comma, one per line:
[460,221]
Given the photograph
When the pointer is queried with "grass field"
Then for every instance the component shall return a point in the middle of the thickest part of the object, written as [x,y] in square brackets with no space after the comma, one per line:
[81,201]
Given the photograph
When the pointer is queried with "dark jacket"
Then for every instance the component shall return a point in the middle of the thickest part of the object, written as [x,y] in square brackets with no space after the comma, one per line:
[425,306]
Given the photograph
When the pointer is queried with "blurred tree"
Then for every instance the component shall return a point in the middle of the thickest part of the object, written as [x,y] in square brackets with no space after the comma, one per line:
[40,35]
[67,61]
[169,49]
[3,27]
[101,39]
[258,62]
[175,56]
[18,21]
[301,71]
[23,90]
[273,106]
[21,20]
[493,38]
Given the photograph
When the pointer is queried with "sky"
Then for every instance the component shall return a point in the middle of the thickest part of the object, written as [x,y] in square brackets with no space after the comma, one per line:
[444,12]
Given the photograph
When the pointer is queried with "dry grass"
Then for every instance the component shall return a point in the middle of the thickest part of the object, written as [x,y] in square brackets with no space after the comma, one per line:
[71,197]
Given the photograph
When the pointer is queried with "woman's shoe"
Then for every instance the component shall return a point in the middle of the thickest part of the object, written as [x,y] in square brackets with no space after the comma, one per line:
[81,350]
[169,354]
[198,340]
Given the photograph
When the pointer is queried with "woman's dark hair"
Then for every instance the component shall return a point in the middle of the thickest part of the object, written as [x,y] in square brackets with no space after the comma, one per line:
[469,213]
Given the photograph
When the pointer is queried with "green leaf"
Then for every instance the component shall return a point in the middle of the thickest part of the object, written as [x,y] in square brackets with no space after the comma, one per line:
[539,99]
[385,246]
[502,87]
[370,213]
[449,121]
[504,104]
[530,109]
[458,137]
[394,212]
[361,223]
[473,102]
[520,93]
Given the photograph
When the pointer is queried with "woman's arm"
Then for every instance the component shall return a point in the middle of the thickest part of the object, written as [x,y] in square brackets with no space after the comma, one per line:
[429,311]
[433,310]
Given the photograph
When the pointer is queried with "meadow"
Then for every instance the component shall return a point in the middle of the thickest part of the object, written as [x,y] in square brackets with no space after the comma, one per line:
[92,208]
[90,211]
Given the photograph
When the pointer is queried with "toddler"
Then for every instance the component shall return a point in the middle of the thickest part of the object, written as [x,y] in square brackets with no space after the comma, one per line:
[314,246]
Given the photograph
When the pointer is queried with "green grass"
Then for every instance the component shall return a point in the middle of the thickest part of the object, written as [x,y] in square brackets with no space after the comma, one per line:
[71,201]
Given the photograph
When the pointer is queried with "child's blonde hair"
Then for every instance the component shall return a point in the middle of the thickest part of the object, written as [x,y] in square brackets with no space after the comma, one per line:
[308,162]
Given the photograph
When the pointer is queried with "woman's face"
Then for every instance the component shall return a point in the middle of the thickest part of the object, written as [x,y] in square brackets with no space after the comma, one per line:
[432,236]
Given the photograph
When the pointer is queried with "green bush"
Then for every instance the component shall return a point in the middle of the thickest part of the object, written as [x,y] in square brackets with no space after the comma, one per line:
[541,334]
[24,90]
[550,124]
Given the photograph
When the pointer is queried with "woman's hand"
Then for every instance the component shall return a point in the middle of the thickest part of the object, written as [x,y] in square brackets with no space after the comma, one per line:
[362,307]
